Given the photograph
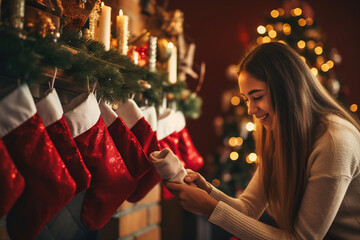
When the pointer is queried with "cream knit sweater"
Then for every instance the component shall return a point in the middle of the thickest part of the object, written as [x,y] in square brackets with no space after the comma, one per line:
[331,202]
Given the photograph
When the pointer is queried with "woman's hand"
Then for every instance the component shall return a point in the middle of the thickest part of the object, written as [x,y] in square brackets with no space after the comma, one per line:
[193,199]
[194,178]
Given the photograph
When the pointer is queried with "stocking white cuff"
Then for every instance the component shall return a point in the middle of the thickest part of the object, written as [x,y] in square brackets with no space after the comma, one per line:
[180,121]
[166,124]
[150,116]
[49,108]
[107,114]
[15,109]
[82,113]
[129,112]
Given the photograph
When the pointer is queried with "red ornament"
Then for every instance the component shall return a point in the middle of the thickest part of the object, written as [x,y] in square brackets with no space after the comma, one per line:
[143,54]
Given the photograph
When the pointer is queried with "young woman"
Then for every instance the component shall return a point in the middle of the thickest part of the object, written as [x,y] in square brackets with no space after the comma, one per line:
[308,176]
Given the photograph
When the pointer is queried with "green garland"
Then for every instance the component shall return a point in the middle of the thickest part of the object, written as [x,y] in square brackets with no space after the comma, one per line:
[86,61]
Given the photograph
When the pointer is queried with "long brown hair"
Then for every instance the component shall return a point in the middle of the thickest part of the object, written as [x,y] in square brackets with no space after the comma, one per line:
[300,105]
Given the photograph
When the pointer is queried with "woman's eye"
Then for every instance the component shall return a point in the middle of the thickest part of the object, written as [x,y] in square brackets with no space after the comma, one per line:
[257,98]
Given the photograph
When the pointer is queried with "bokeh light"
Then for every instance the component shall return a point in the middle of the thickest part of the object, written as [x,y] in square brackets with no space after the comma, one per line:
[234,156]
[261,29]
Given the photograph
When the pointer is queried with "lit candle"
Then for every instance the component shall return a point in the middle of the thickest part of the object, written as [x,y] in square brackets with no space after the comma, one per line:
[104,26]
[172,64]
[122,32]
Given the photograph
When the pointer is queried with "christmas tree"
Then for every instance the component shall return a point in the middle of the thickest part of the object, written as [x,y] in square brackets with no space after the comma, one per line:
[232,165]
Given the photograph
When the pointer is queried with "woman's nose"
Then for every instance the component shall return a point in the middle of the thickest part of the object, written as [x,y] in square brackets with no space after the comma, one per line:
[252,107]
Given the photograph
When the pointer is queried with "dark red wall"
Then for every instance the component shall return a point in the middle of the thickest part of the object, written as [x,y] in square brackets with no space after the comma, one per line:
[217,26]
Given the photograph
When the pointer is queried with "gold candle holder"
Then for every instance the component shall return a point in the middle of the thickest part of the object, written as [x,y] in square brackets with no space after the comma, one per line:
[93,20]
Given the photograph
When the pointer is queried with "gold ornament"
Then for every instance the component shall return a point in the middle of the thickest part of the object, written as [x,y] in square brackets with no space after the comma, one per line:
[93,18]
[164,52]
[173,22]
[141,39]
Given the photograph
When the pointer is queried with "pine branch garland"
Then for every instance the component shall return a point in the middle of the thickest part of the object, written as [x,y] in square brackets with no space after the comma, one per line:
[86,62]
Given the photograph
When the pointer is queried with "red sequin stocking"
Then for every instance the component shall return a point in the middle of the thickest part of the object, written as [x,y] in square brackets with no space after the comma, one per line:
[11,181]
[50,110]
[111,182]
[129,147]
[134,119]
[168,138]
[49,186]
[187,149]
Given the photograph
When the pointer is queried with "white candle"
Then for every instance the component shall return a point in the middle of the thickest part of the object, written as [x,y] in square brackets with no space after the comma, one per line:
[104,29]
[172,64]
[122,32]
[135,57]
[152,53]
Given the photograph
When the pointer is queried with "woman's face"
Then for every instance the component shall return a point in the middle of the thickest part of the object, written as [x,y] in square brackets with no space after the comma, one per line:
[257,98]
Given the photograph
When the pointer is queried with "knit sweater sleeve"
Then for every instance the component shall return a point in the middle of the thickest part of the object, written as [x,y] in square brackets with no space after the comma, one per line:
[330,170]
[251,202]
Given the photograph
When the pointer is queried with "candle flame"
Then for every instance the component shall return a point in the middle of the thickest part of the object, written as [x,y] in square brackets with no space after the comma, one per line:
[121,12]
[102,4]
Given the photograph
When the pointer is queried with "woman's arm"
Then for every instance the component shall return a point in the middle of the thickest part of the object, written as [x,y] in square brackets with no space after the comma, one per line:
[252,201]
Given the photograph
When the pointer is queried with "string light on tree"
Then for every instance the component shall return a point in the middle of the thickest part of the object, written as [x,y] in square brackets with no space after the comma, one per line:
[261,29]
[281,11]
[296,12]
[314,71]
[235,141]
[235,100]
[353,107]
[266,39]
[272,33]
[274,13]
[234,156]
[309,21]
[259,40]
[330,64]
[215,182]
[250,126]
[269,27]
[301,44]
[287,29]
[310,44]
[318,50]
[251,158]
[302,22]
[325,67]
